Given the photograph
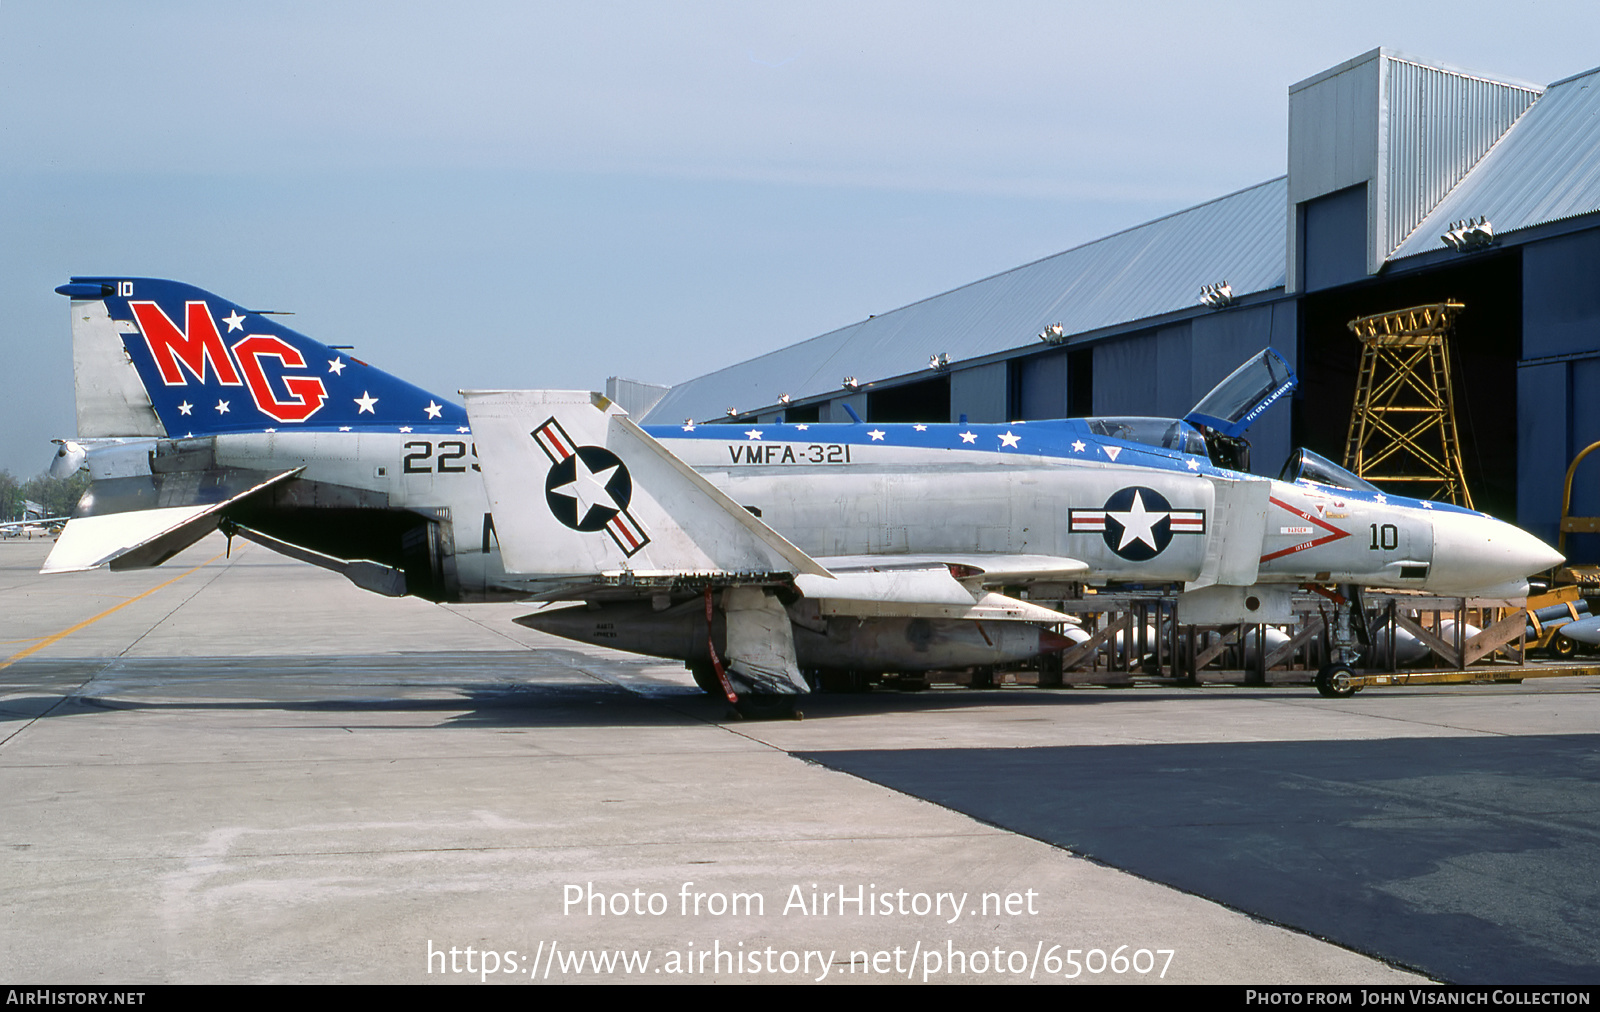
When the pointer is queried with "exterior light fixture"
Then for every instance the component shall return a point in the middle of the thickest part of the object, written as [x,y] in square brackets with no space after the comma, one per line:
[850,383]
[733,412]
[1053,334]
[783,398]
[1467,234]
[939,362]
[1216,296]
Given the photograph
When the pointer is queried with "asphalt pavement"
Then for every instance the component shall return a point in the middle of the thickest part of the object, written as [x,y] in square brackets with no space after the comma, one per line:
[237,768]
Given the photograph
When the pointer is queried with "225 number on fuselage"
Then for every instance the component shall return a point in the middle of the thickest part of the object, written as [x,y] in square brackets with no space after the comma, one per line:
[448,456]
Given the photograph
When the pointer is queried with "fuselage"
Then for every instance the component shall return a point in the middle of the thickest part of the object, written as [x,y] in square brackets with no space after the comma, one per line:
[1134,512]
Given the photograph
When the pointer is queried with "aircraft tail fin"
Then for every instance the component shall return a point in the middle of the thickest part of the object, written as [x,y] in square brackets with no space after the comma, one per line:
[161,358]
[577,489]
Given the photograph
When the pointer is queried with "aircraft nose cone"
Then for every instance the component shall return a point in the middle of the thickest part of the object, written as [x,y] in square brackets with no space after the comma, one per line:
[1478,555]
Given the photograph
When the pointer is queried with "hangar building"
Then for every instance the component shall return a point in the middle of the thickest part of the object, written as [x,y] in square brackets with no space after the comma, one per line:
[1386,155]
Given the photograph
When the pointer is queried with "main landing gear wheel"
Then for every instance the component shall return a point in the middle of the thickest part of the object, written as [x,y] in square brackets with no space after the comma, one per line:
[706,678]
[1333,681]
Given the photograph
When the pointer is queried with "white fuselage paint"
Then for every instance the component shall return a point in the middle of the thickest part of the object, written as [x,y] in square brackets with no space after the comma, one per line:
[895,500]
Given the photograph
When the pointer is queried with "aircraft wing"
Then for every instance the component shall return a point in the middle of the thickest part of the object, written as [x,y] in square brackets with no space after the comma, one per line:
[144,520]
[976,568]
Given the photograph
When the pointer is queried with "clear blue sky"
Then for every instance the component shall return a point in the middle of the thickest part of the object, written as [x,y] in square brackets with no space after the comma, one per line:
[524,194]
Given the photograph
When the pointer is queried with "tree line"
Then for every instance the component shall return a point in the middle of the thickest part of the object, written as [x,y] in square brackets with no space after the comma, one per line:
[58,496]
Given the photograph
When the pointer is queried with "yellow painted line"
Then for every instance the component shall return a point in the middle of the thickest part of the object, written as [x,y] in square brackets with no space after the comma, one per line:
[63,634]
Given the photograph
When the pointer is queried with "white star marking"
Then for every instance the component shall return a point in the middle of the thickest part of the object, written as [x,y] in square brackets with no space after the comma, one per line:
[1194,465]
[802,427]
[336,366]
[587,488]
[234,321]
[462,428]
[1077,446]
[344,428]
[752,434]
[969,437]
[877,435]
[432,409]
[1380,497]
[185,408]
[405,428]
[1138,523]
[269,430]
[222,407]
[920,428]
[688,428]
[188,435]
[365,403]
[1427,505]
[1009,439]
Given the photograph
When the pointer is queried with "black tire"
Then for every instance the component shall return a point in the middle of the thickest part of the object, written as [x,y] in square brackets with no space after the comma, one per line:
[705,676]
[1332,681]
[766,706]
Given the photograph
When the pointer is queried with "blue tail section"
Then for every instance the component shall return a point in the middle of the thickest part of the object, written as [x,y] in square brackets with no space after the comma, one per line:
[212,366]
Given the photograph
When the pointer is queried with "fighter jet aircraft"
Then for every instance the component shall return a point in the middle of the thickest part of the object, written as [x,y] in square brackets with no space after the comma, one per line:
[754,554]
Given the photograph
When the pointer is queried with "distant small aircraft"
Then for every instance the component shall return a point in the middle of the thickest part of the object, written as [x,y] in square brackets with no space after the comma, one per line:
[753,554]
[35,523]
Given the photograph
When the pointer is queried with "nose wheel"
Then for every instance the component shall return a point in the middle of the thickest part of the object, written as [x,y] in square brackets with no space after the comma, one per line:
[1335,681]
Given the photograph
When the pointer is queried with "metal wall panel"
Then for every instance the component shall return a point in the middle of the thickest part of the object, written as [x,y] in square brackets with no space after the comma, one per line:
[1561,296]
[1178,355]
[1583,428]
[1333,128]
[979,393]
[1542,447]
[1041,385]
[1333,239]
[1125,376]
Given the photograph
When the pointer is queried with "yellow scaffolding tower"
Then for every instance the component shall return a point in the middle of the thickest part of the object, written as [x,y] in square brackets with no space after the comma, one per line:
[1403,426]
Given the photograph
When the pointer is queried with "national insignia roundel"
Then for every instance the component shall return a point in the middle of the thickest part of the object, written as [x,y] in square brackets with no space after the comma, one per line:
[587,489]
[1137,523]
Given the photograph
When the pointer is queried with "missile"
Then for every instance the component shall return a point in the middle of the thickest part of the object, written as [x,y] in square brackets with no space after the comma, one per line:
[1585,630]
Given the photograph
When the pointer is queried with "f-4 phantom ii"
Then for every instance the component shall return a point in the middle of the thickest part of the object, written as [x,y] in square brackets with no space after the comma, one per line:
[756,555]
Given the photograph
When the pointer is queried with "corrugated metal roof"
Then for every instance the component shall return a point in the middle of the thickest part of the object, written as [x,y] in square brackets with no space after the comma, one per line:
[1152,269]
[1545,168]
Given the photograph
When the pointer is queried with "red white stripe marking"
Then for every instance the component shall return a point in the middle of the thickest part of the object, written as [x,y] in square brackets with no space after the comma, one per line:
[1334,533]
[554,441]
